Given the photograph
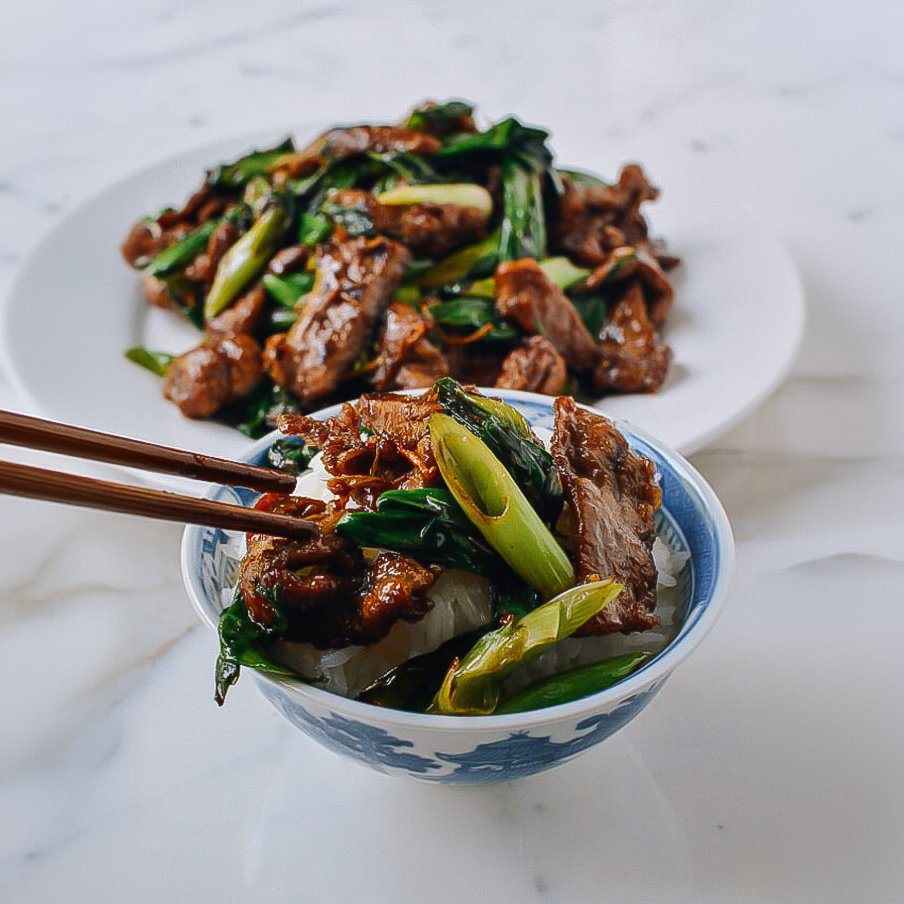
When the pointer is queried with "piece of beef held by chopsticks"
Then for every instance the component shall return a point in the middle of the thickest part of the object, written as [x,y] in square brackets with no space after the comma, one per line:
[380,442]
[328,593]
[610,495]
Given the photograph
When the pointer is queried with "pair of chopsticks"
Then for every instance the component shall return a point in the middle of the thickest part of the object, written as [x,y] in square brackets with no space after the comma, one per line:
[54,486]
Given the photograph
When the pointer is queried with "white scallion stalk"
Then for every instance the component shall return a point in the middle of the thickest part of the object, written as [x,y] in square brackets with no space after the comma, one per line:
[559,271]
[461,194]
[472,686]
[496,506]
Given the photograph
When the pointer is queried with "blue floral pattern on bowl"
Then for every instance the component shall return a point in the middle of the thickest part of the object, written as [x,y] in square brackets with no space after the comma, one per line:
[494,748]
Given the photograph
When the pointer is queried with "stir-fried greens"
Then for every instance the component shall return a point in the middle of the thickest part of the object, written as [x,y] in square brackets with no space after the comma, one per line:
[428,493]
[389,256]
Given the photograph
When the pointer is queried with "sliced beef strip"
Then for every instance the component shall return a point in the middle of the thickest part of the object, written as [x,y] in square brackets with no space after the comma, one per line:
[289,260]
[626,262]
[525,295]
[477,364]
[204,204]
[394,587]
[429,230]
[666,260]
[329,594]
[611,495]
[658,293]
[344,428]
[204,267]
[147,238]
[423,366]
[242,316]
[355,280]
[344,142]
[594,219]
[405,418]
[218,371]
[406,358]
[620,263]
[432,230]
[337,144]
[631,359]
[272,562]
[401,418]
[393,452]
[535,366]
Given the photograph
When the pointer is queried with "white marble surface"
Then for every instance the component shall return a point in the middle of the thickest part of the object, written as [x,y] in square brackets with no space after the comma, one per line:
[769,769]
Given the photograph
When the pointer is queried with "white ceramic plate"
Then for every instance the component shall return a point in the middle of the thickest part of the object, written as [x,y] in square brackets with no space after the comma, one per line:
[76,306]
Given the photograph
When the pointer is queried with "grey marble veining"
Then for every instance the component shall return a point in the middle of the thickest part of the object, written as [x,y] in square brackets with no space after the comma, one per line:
[769,768]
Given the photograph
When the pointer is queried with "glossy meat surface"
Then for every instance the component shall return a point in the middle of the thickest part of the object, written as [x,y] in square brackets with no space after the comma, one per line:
[355,280]
[658,292]
[146,239]
[304,248]
[150,236]
[289,260]
[534,366]
[242,316]
[632,359]
[218,371]
[328,593]
[611,495]
[337,144]
[595,218]
[525,296]
[157,292]
[204,267]
[429,230]
[380,443]
[406,358]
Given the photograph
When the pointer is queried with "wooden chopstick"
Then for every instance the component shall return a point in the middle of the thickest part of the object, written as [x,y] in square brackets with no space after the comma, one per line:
[49,436]
[54,486]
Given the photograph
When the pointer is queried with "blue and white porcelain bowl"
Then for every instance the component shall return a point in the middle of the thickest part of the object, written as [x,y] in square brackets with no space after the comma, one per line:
[454,749]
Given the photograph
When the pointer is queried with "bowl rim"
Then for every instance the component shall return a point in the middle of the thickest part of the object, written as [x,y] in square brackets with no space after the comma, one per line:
[652,673]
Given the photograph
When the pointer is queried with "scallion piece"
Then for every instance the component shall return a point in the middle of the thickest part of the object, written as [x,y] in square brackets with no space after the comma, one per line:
[509,438]
[241,171]
[426,524]
[257,193]
[313,228]
[183,251]
[562,272]
[472,313]
[475,260]
[447,114]
[495,505]
[573,684]
[472,686]
[286,290]
[523,228]
[156,362]
[461,194]
[559,271]
[245,259]
[243,642]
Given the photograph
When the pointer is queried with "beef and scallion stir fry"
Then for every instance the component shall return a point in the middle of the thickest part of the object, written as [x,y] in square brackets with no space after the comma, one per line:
[386,257]
[444,512]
